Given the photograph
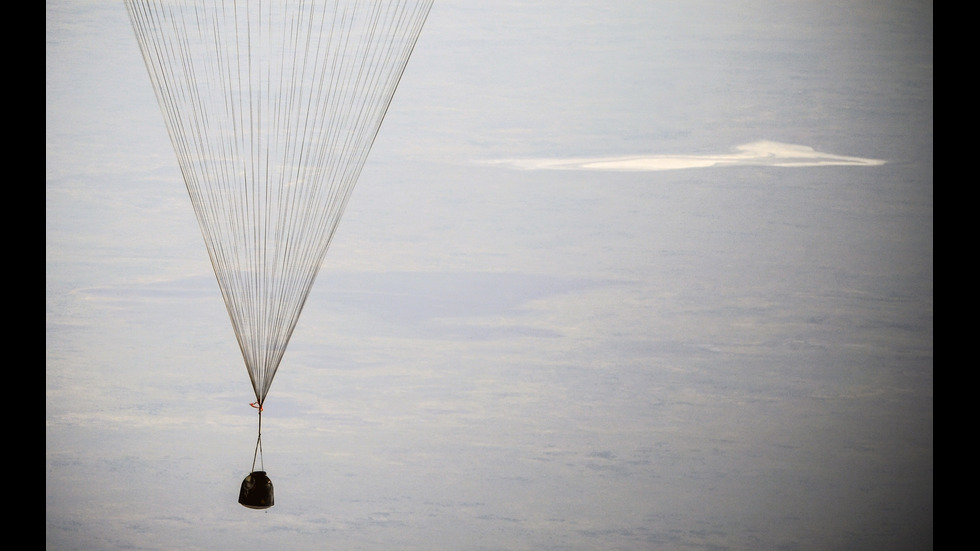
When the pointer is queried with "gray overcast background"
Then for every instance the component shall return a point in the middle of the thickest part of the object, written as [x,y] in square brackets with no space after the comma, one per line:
[497,358]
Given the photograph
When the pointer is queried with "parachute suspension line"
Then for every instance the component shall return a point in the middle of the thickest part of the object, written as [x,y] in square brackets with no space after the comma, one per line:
[258,442]
[272,109]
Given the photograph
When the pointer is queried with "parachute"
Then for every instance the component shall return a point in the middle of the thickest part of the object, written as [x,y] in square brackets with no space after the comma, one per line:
[272,107]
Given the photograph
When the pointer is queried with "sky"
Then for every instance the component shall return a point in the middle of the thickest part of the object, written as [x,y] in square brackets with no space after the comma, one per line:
[627,275]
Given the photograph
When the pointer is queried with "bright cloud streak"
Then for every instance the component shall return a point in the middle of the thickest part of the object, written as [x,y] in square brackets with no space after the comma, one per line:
[760,153]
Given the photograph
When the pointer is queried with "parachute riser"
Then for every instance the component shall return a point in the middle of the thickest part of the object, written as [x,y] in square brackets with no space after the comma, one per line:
[258,442]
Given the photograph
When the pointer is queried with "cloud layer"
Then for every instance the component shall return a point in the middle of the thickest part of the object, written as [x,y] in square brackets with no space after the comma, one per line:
[760,153]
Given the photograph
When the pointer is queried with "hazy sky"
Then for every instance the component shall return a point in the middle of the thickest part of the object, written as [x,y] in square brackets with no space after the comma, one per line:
[629,275]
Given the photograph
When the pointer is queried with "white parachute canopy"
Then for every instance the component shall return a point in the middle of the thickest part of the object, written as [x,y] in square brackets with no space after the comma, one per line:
[272,107]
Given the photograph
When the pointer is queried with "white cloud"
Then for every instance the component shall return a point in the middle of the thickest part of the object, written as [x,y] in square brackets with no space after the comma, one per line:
[760,153]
